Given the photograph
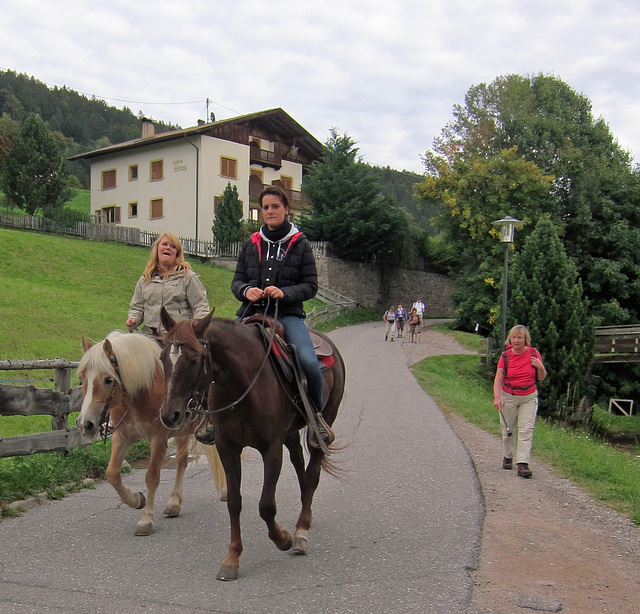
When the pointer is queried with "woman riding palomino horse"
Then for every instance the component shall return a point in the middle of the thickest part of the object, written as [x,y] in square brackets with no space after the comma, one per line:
[276,272]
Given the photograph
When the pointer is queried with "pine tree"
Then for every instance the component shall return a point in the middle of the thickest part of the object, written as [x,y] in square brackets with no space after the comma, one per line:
[227,224]
[349,209]
[547,297]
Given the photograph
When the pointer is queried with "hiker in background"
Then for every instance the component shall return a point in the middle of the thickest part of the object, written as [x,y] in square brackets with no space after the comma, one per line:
[419,307]
[390,318]
[414,325]
[515,395]
[168,281]
[401,318]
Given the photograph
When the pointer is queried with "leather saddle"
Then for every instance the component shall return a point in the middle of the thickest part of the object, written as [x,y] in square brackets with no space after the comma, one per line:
[284,354]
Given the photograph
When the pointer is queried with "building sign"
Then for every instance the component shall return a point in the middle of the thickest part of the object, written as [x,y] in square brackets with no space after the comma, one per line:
[179,166]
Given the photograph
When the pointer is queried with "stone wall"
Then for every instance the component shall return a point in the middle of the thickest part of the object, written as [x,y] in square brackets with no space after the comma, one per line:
[363,284]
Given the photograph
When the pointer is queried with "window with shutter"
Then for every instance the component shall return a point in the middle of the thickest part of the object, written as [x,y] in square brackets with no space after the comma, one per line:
[157,170]
[156,208]
[228,167]
[109,179]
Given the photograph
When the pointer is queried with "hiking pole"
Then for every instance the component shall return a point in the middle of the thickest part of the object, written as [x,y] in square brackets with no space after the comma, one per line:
[509,433]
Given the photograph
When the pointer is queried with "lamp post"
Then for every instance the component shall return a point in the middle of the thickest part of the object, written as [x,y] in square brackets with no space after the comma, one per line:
[507,227]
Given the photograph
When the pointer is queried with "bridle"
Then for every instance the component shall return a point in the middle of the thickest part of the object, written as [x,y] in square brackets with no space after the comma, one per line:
[105,428]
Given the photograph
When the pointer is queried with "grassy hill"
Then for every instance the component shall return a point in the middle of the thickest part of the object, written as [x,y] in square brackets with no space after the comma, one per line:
[55,289]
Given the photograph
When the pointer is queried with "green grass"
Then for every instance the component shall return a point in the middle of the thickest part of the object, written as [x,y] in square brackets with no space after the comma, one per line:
[459,384]
[81,201]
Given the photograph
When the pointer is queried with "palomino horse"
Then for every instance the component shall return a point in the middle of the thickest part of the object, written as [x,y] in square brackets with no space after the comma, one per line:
[250,404]
[123,386]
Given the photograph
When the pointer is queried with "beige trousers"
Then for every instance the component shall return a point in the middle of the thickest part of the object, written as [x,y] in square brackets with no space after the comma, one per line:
[520,415]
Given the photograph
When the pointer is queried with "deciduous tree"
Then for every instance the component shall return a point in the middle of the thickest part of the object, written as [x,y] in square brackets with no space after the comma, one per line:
[33,177]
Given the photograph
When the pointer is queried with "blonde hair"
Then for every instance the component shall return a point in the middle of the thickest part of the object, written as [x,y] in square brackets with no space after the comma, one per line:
[520,328]
[152,265]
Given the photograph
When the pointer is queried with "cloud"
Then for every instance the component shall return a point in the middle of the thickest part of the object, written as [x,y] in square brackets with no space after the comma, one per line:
[387,73]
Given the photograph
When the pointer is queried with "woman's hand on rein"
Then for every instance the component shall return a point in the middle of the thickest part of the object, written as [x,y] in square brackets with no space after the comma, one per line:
[274,292]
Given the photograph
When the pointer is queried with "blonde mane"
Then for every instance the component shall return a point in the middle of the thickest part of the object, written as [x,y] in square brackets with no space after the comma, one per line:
[137,356]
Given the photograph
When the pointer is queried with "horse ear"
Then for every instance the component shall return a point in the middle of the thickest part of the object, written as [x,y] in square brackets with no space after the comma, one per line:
[199,326]
[108,348]
[167,321]
[85,343]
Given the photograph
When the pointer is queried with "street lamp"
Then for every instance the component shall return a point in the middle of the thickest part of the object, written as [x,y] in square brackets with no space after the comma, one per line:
[507,227]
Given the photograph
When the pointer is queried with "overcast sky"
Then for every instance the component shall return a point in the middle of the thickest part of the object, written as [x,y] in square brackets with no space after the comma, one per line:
[387,73]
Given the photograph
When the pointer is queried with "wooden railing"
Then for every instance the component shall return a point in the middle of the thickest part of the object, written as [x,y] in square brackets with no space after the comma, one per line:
[132,236]
[30,401]
[617,344]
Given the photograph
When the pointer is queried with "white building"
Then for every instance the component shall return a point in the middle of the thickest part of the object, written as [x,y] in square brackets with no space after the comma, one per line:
[171,182]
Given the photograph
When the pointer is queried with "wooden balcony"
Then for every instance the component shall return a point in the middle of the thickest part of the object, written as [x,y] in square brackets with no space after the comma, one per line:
[264,157]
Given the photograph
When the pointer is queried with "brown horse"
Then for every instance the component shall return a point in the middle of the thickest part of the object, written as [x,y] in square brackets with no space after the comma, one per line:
[249,404]
[123,385]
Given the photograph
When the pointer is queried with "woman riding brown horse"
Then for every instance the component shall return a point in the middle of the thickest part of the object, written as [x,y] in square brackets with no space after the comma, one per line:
[222,368]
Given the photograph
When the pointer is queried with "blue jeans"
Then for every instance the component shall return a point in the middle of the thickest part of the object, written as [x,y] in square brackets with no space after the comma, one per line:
[296,333]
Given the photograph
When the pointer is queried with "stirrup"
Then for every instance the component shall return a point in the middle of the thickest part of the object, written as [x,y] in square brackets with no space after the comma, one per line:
[326,432]
[206,436]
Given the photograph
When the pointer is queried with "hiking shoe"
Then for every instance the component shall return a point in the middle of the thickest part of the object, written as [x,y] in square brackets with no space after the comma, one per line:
[524,471]
[206,436]
[507,463]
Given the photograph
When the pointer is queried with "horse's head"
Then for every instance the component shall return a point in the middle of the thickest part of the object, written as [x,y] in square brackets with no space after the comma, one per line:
[184,359]
[120,365]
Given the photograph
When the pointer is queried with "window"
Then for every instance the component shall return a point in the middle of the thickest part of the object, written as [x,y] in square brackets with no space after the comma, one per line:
[156,208]
[110,215]
[133,172]
[254,172]
[254,214]
[229,167]
[157,170]
[109,179]
[286,182]
[133,209]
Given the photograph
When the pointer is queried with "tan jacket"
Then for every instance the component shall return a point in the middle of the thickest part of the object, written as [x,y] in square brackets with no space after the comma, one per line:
[182,294]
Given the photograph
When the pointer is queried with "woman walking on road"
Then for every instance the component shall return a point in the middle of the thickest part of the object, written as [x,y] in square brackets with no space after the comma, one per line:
[515,395]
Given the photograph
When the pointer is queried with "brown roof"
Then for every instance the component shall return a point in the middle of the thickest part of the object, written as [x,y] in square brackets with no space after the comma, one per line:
[272,120]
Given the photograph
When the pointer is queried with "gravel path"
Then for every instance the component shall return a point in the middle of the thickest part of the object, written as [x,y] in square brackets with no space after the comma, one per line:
[546,546]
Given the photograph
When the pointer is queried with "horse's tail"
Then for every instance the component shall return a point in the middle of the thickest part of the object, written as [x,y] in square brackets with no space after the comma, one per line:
[330,466]
[219,477]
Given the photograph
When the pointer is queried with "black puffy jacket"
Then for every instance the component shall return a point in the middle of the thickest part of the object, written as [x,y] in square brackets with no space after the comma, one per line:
[295,274]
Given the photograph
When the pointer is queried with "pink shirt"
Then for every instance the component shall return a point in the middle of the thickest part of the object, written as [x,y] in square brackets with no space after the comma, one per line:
[520,378]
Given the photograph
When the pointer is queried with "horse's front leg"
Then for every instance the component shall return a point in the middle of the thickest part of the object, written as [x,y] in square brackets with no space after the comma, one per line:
[272,460]
[174,505]
[119,448]
[152,479]
[231,460]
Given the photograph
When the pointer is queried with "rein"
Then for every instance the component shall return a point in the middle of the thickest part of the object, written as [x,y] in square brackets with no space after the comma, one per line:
[200,399]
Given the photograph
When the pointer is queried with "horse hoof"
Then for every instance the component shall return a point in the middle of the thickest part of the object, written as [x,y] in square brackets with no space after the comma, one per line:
[228,573]
[286,544]
[143,501]
[172,511]
[144,530]
[300,544]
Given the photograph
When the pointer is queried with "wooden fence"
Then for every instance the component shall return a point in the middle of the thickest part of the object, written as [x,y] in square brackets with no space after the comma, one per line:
[131,236]
[30,401]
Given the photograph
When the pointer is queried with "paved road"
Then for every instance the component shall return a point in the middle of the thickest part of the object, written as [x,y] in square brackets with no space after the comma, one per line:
[397,535]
